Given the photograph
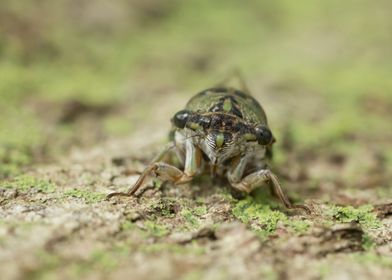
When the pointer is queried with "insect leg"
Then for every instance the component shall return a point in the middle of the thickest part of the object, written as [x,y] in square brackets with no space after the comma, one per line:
[255,179]
[168,172]
[235,173]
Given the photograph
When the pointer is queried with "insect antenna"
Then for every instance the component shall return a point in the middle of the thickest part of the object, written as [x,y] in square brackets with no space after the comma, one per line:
[195,135]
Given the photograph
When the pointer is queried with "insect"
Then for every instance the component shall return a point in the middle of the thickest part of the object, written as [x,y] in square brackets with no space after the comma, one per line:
[223,129]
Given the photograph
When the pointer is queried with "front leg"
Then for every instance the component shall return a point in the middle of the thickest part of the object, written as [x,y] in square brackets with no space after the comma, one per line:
[167,172]
[256,179]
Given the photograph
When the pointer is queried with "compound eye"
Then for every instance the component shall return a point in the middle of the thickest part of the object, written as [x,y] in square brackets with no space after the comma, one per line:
[263,135]
[180,118]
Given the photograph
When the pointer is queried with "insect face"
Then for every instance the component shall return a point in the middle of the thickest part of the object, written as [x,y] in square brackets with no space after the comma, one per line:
[219,145]
[221,136]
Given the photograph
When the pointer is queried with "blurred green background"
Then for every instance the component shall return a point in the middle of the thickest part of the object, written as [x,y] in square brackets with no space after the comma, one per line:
[79,72]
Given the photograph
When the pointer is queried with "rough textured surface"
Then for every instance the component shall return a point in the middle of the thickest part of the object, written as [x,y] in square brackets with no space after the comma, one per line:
[86,95]
[56,223]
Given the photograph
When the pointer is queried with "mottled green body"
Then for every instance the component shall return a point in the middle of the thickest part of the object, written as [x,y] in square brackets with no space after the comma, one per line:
[230,101]
[225,129]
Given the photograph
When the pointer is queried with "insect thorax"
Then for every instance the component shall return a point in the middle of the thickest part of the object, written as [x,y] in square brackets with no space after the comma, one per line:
[230,101]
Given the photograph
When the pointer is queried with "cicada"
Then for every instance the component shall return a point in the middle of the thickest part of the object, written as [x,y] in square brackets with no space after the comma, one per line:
[224,130]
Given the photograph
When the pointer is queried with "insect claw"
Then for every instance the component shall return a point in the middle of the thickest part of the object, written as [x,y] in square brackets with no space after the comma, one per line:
[302,207]
[110,195]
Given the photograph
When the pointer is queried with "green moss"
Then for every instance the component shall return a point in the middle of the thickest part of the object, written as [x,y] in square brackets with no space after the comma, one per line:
[298,226]
[367,242]
[162,207]
[87,196]
[25,183]
[263,220]
[362,215]
[191,216]
[225,194]
[155,229]
[200,210]
[264,196]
